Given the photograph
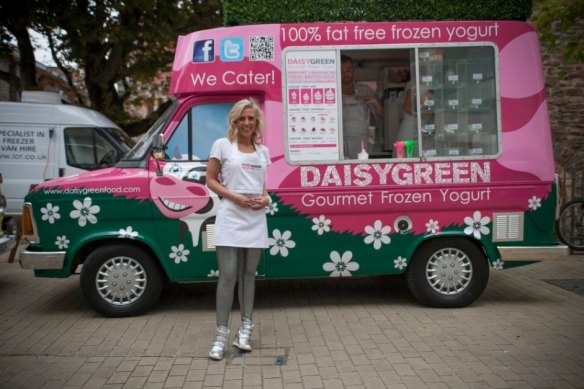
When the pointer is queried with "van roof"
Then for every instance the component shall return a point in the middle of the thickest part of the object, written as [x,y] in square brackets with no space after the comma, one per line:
[35,113]
[34,96]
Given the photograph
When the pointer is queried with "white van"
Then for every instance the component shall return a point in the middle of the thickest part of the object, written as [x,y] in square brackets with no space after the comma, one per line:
[39,142]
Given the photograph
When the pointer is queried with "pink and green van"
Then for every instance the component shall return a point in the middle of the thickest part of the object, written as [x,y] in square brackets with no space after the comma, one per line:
[443,208]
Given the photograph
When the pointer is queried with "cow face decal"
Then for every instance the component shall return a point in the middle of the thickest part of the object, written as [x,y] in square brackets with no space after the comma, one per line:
[180,193]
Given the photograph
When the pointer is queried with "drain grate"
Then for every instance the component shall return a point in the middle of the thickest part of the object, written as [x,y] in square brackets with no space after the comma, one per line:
[571,285]
[280,360]
[269,356]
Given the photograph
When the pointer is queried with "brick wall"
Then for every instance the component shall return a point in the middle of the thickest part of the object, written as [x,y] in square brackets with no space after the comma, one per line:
[565,92]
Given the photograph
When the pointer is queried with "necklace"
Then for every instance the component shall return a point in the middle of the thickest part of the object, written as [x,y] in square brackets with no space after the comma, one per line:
[245,146]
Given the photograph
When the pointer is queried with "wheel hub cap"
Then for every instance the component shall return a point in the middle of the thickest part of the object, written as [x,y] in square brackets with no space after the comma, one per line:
[449,271]
[121,281]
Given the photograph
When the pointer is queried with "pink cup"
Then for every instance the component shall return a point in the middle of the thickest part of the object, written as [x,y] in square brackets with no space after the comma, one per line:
[398,147]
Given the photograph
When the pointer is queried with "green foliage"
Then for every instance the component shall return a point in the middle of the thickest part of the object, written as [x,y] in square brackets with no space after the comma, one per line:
[121,42]
[293,11]
[560,24]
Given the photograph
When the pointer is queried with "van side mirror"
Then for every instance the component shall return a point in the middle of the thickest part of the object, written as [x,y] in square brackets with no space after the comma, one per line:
[158,152]
[158,147]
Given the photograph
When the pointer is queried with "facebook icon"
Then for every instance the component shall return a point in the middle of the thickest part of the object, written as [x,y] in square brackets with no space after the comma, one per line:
[204,51]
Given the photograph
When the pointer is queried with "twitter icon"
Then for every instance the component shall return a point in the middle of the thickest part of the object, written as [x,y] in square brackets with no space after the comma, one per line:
[231,49]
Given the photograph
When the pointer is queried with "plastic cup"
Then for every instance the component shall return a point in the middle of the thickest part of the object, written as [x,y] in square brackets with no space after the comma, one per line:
[399,148]
[410,147]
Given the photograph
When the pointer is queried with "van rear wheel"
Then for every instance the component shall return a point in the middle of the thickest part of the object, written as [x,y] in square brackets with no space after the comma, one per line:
[448,273]
[120,280]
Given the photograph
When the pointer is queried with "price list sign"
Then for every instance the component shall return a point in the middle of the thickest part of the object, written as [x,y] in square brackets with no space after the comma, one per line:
[311,98]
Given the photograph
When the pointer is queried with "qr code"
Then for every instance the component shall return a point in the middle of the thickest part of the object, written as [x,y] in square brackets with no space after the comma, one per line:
[261,48]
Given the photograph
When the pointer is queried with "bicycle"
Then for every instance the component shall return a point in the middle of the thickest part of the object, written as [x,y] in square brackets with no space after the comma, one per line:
[570,224]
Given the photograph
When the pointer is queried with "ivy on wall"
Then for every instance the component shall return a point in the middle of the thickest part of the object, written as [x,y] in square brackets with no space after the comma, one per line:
[293,11]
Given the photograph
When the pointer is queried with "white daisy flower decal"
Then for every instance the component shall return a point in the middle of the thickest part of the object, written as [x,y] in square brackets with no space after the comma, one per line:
[400,263]
[432,226]
[534,203]
[341,266]
[127,233]
[272,208]
[377,234]
[62,242]
[498,264]
[50,213]
[477,225]
[179,253]
[280,242]
[84,211]
[213,273]
[321,224]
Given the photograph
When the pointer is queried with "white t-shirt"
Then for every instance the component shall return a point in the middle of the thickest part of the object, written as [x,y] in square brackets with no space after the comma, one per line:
[243,173]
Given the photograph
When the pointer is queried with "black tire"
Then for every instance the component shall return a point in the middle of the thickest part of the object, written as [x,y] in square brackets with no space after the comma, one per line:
[570,224]
[141,280]
[463,277]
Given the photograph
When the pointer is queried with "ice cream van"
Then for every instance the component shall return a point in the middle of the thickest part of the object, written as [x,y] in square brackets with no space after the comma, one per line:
[473,180]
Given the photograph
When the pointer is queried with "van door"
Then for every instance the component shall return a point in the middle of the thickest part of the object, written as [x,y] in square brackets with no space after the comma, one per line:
[180,192]
[28,156]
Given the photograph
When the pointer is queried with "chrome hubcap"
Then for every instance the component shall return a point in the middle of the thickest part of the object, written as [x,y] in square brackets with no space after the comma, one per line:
[449,271]
[121,281]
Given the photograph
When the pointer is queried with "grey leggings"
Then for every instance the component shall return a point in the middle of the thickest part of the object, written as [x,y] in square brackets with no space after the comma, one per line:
[239,265]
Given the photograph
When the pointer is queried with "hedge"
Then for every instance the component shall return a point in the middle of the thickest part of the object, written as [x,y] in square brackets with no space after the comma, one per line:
[293,11]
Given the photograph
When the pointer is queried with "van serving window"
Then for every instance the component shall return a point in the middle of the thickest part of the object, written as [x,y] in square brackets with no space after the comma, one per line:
[421,102]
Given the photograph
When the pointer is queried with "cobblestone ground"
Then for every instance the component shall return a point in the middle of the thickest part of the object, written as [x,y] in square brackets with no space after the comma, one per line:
[526,331]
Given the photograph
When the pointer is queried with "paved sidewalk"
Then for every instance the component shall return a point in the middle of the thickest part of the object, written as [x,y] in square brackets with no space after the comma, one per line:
[524,332]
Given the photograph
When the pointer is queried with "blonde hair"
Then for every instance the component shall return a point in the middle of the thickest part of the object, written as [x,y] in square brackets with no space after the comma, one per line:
[235,114]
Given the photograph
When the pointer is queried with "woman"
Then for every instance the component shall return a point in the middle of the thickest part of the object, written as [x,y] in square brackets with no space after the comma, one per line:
[236,172]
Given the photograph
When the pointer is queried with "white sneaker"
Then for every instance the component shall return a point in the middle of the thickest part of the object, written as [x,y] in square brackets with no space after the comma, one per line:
[219,341]
[243,335]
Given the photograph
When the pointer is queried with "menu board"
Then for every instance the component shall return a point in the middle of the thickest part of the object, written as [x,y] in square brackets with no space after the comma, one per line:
[312,121]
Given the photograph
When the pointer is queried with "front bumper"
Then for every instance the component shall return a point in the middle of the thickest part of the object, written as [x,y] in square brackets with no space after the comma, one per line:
[41,260]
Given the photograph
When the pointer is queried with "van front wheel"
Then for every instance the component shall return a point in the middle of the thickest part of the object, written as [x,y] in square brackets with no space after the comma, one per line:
[448,273]
[120,280]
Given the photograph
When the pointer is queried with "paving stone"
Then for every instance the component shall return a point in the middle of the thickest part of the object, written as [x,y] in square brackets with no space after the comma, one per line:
[524,332]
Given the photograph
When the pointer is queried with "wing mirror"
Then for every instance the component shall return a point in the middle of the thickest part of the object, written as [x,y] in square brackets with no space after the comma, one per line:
[158,147]
[158,152]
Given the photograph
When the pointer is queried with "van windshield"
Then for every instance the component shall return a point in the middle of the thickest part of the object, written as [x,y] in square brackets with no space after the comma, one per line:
[121,138]
[93,148]
[143,146]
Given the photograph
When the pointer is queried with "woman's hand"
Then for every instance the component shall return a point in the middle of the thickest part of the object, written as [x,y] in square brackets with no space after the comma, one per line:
[255,203]
[260,202]
[243,201]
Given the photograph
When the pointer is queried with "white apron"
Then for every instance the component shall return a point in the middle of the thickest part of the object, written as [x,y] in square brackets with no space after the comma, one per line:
[236,226]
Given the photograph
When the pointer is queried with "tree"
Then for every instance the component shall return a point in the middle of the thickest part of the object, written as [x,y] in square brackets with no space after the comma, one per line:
[112,43]
[117,43]
[15,18]
[560,24]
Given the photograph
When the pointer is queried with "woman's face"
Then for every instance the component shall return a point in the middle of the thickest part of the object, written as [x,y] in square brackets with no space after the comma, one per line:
[246,124]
